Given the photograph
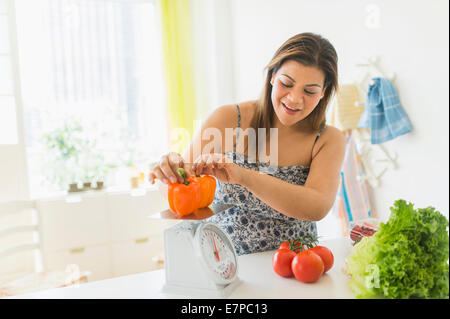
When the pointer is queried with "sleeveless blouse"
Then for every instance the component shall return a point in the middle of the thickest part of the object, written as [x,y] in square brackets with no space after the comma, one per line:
[252,225]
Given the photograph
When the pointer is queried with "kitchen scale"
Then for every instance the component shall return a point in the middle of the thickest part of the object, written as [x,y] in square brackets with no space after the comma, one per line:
[200,260]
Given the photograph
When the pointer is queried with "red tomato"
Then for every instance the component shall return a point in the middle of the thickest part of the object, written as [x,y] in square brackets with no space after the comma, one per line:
[307,266]
[281,262]
[285,245]
[326,255]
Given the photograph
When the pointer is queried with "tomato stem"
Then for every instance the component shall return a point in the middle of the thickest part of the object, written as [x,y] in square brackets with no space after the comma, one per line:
[303,243]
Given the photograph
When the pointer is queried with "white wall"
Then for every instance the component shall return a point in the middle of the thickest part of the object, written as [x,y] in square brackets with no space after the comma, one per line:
[411,39]
[212,52]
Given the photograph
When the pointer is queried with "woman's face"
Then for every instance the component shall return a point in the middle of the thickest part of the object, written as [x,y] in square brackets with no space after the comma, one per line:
[296,91]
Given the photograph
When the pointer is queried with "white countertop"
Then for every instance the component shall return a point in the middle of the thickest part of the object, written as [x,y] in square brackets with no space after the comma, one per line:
[258,281]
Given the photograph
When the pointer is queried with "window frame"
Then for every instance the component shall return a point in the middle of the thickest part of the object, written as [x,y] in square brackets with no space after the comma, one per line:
[16,154]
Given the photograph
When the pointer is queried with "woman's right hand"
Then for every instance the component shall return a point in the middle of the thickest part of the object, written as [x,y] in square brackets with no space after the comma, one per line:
[166,170]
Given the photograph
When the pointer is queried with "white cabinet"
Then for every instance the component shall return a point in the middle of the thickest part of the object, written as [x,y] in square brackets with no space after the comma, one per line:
[137,255]
[67,225]
[105,233]
[128,216]
[95,259]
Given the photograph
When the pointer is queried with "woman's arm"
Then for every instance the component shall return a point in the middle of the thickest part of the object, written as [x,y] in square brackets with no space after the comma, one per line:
[311,201]
[207,140]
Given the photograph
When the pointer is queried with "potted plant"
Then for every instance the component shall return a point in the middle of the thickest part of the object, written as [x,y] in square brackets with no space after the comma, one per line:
[63,147]
[87,168]
[101,169]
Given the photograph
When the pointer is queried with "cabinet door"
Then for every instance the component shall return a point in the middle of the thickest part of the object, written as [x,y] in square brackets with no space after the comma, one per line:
[96,260]
[65,225]
[136,256]
[129,216]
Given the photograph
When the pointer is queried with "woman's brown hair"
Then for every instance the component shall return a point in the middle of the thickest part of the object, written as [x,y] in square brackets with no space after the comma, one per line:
[310,50]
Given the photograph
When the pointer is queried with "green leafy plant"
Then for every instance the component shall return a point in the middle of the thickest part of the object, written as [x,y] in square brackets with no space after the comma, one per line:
[63,147]
[71,156]
[406,258]
[101,168]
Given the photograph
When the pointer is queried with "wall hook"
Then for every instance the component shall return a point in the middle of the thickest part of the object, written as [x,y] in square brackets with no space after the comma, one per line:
[374,70]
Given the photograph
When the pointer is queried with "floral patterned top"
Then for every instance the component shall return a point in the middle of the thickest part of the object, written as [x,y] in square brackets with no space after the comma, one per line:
[252,225]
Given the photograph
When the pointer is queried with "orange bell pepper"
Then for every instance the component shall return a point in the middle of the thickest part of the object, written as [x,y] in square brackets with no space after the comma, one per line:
[207,189]
[184,197]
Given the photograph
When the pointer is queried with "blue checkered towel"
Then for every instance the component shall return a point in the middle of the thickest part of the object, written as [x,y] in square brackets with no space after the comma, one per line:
[383,113]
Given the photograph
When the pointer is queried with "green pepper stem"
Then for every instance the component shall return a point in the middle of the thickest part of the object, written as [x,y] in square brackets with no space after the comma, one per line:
[182,172]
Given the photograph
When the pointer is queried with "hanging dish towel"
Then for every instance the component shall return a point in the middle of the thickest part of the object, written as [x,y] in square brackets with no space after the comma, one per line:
[352,200]
[383,113]
[345,114]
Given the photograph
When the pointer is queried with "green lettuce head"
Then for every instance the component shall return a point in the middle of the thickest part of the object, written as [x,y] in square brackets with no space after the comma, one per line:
[406,258]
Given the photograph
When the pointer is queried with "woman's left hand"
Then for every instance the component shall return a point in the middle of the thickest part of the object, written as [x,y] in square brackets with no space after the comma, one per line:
[219,166]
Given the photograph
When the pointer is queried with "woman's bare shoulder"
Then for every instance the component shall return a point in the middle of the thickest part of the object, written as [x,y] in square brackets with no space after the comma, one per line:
[330,135]
[248,109]
[223,116]
[333,132]
[226,116]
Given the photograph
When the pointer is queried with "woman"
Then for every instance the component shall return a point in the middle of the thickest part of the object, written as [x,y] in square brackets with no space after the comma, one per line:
[261,210]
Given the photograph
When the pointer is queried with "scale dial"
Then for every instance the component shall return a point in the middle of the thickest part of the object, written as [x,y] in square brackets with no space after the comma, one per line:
[216,253]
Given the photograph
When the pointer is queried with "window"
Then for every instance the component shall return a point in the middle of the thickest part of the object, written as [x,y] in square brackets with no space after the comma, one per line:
[91,77]
[8,118]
